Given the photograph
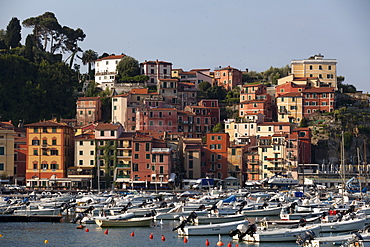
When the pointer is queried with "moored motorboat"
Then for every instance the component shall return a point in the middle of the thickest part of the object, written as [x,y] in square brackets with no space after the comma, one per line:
[132,222]
[211,229]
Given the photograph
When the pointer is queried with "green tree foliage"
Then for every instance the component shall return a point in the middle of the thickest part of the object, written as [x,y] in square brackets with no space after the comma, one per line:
[233,96]
[204,85]
[49,34]
[13,33]
[88,58]
[304,123]
[269,76]
[2,38]
[216,92]
[128,67]
[217,128]
[32,91]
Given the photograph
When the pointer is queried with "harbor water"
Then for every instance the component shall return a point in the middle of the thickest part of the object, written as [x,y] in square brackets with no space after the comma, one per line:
[66,234]
[27,234]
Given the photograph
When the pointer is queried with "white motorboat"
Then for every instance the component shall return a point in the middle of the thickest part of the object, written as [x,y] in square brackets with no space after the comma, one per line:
[335,240]
[263,211]
[133,222]
[211,229]
[217,219]
[251,234]
[344,225]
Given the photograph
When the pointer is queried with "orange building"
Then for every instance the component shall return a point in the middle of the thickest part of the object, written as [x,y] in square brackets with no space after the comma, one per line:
[228,77]
[49,152]
[215,159]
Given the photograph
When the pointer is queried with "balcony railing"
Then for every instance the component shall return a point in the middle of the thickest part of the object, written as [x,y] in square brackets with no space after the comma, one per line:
[253,170]
[124,165]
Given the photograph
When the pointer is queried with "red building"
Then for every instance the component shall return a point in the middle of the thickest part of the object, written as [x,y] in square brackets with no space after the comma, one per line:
[289,87]
[318,99]
[215,159]
[156,119]
[151,161]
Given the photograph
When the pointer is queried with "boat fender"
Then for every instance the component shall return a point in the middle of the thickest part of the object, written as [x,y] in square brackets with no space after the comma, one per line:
[79,193]
[281,199]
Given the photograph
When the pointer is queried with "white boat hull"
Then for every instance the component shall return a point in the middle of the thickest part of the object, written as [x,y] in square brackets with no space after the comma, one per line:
[343,226]
[211,229]
[133,222]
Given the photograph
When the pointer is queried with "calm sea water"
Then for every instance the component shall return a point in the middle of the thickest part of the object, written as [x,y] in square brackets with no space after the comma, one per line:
[29,234]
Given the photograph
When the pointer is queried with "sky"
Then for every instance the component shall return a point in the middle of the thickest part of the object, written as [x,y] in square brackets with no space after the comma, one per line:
[193,34]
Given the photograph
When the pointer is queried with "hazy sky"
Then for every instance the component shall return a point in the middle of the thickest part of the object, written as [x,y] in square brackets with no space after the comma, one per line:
[253,34]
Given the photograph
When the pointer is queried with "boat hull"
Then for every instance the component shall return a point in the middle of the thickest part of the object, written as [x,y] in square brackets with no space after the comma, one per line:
[343,226]
[211,229]
[133,222]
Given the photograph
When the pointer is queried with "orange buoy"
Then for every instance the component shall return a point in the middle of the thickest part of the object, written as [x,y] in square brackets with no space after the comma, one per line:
[46,241]
[207,242]
[132,234]
[229,244]
[185,240]
[219,243]
[106,231]
[236,245]
[80,227]
[163,238]
[87,230]
[151,236]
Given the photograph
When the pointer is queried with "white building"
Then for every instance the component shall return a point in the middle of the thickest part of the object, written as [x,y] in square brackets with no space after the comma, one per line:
[156,70]
[106,71]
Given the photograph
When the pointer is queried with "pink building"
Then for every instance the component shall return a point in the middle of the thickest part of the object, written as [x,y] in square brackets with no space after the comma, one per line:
[228,77]
[156,119]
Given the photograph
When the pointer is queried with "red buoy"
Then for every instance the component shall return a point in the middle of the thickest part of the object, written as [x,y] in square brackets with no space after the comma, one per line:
[219,243]
[151,236]
[185,240]
[132,234]
[106,231]
[207,242]
[163,238]
[87,230]
[229,244]
[236,245]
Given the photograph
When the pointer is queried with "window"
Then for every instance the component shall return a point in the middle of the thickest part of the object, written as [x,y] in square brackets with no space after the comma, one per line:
[2,150]
[329,67]
[92,152]
[212,138]
[320,76]
[81,152]
[191,164]
[102,133]
[54,166]
[54,142]
[147,156]
[219,146]
[293,107]
[147,147]
[324,103]
[320,67]
[35,130]
[219,166]
[80,162]
[161,170]
[35,166]
[135,167]
[136,156]
[35,142]
[112,133]
[44,166]
[154,158]
[2,167]
[44,130]
[233,151]
[35,152]
[137,147]
[151,123]
[161,158]
[160,123]
[92,143]
[54,129]
[310,67]
[53,152]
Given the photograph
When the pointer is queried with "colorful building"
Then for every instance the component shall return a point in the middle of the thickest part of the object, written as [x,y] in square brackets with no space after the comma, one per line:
[228,77]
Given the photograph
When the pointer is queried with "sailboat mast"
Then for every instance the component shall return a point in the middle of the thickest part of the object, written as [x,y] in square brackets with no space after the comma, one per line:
[342,164]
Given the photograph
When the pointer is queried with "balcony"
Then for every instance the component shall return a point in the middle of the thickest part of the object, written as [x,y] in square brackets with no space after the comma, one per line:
[253,170]
[275,169]
[106,73]
[123,166]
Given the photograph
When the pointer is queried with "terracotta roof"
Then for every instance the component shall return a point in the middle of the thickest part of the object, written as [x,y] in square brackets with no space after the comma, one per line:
[265,137]
[226,68]
[187,83]
[274,123]
[200,70]
[88,98]
[139,91]
[304,78]
[167,79]
[111,57]
[319,90]
[85,137]
[48,123]
[290,95]
[155,62]
[107,126]
[7,125]
[189,73]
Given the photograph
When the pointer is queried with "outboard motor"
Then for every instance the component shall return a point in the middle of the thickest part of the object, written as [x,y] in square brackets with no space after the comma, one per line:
[181,226]
[302,222]
[88,210]
[78,218]
[309,236]
[201,207]
[191,218]
[163,205]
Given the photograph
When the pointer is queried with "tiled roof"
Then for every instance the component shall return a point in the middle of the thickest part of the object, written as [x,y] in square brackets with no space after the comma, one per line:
[155,62]
[319,90]
[107,126]
[6,125]
[226,68]
[274,123]
[85,137]
[139,91]
[48,123]
[111,57]
[88,98]
[290,95]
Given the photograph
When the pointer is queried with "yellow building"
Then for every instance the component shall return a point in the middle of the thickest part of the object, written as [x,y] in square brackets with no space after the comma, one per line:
[49,152]
[6,150]
[235,162]
[316,66]
[271,150]
[290,107]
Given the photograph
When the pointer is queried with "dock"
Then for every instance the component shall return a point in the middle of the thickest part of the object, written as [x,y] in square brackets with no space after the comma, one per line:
[31,218]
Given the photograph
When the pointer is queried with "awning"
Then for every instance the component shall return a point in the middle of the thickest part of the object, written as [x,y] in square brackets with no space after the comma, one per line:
[121,180]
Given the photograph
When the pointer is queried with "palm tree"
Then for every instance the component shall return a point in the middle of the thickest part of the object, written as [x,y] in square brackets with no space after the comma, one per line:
[88,58]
